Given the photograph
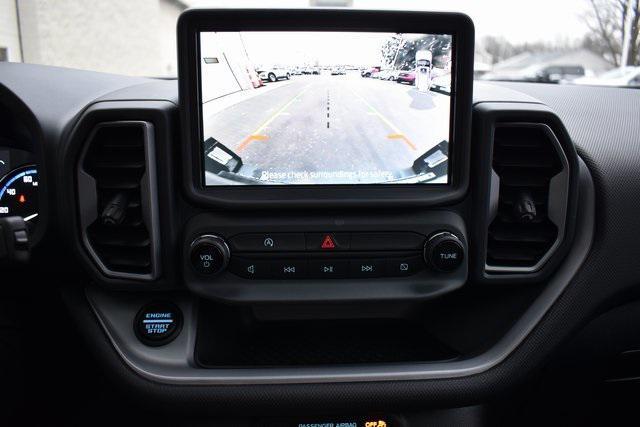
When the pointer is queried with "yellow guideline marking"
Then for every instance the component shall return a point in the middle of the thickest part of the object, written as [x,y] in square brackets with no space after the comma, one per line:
[402,137]
[256,135]
[398,133]
[250,139]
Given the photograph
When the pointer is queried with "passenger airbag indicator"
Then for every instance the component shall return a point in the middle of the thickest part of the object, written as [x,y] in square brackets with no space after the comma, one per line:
[158,323]
[346,422]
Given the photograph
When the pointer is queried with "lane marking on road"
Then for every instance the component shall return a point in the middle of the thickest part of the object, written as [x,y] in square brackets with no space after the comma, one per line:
[257,134]
[398,134]
[328,106]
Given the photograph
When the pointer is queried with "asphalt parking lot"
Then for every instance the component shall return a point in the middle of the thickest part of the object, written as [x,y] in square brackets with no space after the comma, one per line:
[324,129]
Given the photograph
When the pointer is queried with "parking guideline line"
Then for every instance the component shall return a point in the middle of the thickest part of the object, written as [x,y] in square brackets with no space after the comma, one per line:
[255,135]
[403,137]
[398,133]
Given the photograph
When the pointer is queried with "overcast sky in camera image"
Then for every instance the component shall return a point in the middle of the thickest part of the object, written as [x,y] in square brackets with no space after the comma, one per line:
[307,47]
[281,48]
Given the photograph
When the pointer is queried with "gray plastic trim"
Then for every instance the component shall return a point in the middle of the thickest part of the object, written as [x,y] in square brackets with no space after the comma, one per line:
[87,199]
[558,200]
[173,363]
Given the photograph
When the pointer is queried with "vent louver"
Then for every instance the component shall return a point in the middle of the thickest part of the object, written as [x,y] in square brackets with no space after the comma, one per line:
[119,222]
[531,172]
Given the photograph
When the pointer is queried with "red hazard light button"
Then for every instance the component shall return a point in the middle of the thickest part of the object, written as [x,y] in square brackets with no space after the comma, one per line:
[327,241]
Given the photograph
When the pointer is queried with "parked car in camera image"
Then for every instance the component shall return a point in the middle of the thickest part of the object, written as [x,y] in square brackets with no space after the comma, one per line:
[273,74]
[441,80]
[406,77]
[441,83]
[296,71]
[388,74]
[369,72]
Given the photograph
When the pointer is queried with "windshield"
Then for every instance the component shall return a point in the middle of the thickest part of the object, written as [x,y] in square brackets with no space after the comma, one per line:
[543,41]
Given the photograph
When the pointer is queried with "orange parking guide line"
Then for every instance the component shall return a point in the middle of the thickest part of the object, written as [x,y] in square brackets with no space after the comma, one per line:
[403,138]
[250,139]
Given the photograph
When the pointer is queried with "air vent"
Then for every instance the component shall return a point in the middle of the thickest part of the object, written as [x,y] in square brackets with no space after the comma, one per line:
[118,199]
[530,178]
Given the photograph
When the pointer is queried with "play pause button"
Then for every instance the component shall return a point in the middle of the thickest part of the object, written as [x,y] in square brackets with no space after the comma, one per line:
[328,269]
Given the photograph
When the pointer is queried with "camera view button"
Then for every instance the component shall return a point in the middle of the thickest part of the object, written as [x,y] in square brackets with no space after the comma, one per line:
[398,267]
[268,242]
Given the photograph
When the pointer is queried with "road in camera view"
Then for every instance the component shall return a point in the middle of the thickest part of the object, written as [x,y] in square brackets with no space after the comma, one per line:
[332,127]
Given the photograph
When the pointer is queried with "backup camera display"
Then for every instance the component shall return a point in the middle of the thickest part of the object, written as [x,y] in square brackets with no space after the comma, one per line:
[287,108]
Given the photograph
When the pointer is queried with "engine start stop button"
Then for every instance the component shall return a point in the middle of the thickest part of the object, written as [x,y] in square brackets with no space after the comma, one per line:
[158,323]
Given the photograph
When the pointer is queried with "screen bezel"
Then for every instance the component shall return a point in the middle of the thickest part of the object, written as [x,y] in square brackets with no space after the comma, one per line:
[194,21]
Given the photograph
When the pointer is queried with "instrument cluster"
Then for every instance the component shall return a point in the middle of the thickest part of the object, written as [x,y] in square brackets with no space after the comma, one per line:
[19,185]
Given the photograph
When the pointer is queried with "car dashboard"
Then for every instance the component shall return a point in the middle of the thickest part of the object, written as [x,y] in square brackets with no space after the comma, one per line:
[387,323]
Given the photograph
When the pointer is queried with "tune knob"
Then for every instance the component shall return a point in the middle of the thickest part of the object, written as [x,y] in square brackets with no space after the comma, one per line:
[444,251]
[209,254]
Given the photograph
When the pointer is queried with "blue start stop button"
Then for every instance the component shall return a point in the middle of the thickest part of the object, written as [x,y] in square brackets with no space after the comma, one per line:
[158,323]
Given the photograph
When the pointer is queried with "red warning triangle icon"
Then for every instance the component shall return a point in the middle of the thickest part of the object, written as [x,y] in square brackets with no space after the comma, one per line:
[327,243]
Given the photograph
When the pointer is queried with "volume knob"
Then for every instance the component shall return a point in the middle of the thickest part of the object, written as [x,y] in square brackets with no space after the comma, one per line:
[209,254]
[444,251]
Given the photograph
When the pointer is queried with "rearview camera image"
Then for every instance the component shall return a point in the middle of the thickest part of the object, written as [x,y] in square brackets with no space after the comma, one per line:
[290,108]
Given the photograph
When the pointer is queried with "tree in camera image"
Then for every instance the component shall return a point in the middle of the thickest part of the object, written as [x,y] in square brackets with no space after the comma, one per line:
[399,51]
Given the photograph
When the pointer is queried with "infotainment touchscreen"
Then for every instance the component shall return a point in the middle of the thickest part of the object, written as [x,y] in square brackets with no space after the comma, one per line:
[292,108]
